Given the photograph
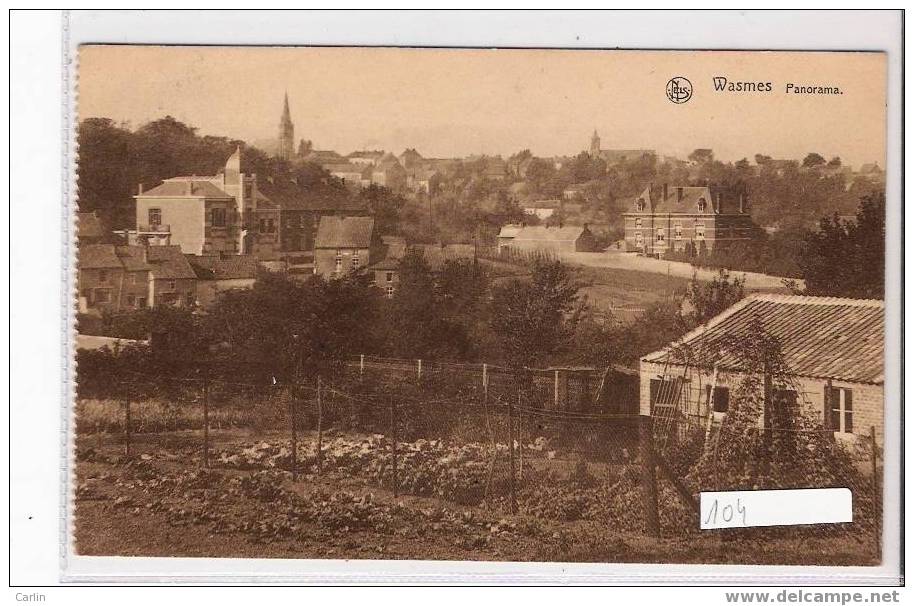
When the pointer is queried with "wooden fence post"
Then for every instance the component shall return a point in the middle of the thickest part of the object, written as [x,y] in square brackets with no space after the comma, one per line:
[555,395]
[511,451]
[648,476]
[293,395]
[320,429]
[877,510]
[393,445]
[419,369]
[127,427]
[206,416]
[361,366]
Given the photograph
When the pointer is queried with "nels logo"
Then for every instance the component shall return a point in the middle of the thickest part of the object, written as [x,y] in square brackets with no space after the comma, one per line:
[679,89]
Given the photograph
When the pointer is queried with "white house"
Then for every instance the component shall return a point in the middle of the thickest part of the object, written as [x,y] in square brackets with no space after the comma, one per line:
[834,348]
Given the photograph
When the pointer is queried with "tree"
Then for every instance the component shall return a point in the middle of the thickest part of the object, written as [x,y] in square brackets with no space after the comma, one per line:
[534,318]
[283,329]
[423,320]
[834,162]
[812,160]
[762,159]
[708,299]
[701,156]
[847,258]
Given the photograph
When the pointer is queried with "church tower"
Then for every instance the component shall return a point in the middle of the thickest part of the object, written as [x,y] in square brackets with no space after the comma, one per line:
[595,144]
[286,147]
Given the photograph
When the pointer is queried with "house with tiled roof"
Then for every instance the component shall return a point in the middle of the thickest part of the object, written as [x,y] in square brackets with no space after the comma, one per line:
[112,278]
[344,244]
[833,348]
[89,229]
[436,256]
[173,280]
[217,274]
[99,278]
[556,239]
[690,219]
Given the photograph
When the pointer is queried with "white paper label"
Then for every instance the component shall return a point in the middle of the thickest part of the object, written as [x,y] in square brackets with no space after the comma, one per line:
[743,508]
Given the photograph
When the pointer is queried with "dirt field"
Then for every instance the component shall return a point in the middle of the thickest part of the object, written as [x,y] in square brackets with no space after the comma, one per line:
[161,502]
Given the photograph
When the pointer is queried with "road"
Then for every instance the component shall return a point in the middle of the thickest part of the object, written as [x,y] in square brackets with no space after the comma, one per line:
[633,261]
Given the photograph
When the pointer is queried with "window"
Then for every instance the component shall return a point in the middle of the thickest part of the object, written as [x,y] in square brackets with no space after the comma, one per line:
[338,266]
[389,291]
[102,295]
[390,276]
[721,400]
[355,260]
[702,204]
[639,238]
[661,234]
[302,221]
[699,231]
[218,217]
[840,409]
[248,190]
[102,276]
[638,222]
[134,278]
[189,299]
[267,226]
[170,284]
[679,231]
[155,217]
[640,205]
[131,301]
[141,302]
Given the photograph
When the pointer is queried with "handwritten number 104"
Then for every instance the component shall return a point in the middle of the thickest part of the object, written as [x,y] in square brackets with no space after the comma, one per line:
[726,513]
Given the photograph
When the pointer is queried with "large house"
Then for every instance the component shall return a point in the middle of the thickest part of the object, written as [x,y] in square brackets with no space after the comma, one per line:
[223,213]
[343,244]
[833,347]
[686,219]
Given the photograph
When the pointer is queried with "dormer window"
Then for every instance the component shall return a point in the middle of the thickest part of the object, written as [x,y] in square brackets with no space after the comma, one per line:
[640,205]
[702,204]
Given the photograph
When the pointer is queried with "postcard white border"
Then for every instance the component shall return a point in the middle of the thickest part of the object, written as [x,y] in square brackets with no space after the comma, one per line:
[744,30]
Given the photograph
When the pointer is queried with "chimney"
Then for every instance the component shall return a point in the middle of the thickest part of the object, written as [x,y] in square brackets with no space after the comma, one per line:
[666,191]
[139,189]
[717,203]
[742,203]
[679,194]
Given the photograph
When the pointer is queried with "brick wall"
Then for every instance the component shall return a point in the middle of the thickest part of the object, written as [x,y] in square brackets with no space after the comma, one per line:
[868,400]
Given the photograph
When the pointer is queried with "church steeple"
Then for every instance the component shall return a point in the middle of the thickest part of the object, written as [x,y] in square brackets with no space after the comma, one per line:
[286,145]
[595,144]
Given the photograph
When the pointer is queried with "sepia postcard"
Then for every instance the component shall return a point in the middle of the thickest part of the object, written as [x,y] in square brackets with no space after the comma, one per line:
[464,304]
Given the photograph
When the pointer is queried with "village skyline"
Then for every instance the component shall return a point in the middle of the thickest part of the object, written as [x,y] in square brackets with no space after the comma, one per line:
[341,103]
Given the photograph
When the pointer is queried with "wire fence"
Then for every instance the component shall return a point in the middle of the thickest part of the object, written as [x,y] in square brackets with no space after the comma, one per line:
[544,443]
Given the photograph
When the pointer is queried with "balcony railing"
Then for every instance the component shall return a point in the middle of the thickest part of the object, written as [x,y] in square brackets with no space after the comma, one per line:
[153,229]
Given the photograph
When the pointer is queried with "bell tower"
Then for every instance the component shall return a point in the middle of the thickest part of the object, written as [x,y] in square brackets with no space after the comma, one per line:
[595,144]
[286,145]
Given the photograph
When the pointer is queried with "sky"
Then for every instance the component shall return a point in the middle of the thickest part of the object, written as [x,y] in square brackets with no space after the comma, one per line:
[458,102]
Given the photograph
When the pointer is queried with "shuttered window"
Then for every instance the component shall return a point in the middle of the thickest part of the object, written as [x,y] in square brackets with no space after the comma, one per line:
[839,404]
